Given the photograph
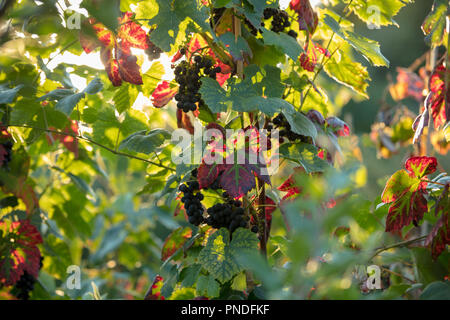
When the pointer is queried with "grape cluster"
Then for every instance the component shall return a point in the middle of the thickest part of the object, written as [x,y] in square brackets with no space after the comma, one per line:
[7,146]
[281,122]
[192,201]
[188,77]
[228,215]
[280,21]
[25,285]
[153,52]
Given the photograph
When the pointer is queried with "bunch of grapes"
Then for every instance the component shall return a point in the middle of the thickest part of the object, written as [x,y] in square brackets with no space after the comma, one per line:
[280,21]
[188,76]
[7,146]
[25,285]
[191,199]
[280,121]
[153,52]
[228,215]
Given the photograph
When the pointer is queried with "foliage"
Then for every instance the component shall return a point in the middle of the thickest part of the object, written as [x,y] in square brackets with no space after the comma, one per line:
[87,175]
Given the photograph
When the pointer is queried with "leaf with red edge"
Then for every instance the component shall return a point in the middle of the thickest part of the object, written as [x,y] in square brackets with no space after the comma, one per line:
[308,59]
[307,18]
[439,236]
[290,186]
[131,34]
[405,192]
[439,97]
[339,127]
[70,142]
[410,207]
[421,166]
[129,70]
[163,94]
[154,293]
[207,174]
[20,253]
[111,66]
[175,241]
[408,84]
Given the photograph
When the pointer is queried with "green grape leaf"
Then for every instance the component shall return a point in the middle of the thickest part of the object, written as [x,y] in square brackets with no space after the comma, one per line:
[434,24]
[377,13]
[370,49]
[124,97]
[218,257]
[438,290]
[349,73]
[8,95]
[300,124]
[170,15]
[144,141]
[305,154]
[237,48]
[152,78]
[283,41]
[207,286]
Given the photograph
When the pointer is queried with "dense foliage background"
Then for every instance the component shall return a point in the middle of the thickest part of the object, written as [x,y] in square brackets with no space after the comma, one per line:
[88,104]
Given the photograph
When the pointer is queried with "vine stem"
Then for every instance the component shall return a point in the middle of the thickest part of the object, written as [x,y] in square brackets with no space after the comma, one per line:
[397,245]
[78,137]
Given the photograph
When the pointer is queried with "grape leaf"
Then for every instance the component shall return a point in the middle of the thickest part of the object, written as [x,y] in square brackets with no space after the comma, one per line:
[152,77]
[439,236]
[307,18]
[19,253]
[300,124]
[125,97]
[283,41]
[434,25]
[377,13]
[405,193]
[439,98]
[305,155]
[237,47]
[349,73]
[207,286]
[218,257]
[163,94]
[370,49]
[175,241]
[144,141]
[170,15]
[8,95]
[154,293]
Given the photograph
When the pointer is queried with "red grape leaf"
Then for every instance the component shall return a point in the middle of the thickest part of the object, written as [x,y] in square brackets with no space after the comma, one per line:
[19,253]
[405,192]
[439,97]
[67,140]
[163,94]
[307,18]
[421,166]
[115,54]
[154,293]
[111,66]
[410,207]
[175,241]
[408,84]
[290,186]
[308,59]
[131,34]
[439,236]
[207,174]
[129,70]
